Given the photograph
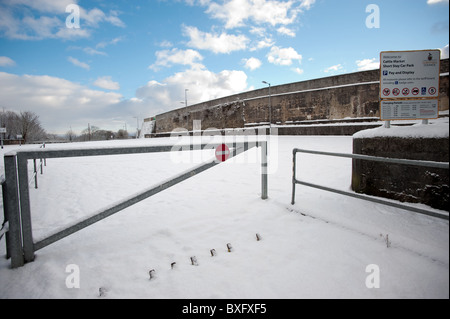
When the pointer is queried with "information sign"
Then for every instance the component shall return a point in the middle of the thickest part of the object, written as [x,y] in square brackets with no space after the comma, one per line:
[409,109]
[409,85]
[413,73]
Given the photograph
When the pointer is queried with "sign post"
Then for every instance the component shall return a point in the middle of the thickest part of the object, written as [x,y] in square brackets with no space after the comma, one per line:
[19,137]
[409,85]
[2,132]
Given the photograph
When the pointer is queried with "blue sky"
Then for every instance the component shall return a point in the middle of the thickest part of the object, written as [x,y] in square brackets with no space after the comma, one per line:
[135,59]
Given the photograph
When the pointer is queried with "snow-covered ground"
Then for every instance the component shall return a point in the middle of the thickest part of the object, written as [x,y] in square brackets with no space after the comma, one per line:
[325,246]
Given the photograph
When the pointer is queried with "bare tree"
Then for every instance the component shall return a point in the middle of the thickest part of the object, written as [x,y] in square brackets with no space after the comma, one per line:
[70,135]
[25,123]
[122,134]
[30,127]
[11,122]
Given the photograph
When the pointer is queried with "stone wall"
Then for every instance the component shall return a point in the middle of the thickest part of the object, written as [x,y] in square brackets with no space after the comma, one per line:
[402,182]
[335,97]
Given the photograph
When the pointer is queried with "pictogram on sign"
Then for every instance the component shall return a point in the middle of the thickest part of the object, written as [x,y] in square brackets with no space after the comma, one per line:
[396,91]
[405,91]
[386,92]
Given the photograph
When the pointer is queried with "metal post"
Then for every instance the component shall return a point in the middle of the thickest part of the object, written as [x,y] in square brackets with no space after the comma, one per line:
[25,215]
[35,174]
[264,166]
[270,106]
[387,124]
[294,175]
[14,235]
[5,214]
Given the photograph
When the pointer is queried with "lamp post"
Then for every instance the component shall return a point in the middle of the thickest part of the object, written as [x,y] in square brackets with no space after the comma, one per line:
[186,105]
[270,107]
[137,126]
[185,97]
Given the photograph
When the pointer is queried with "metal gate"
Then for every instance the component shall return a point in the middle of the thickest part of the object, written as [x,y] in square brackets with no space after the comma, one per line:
[16,199]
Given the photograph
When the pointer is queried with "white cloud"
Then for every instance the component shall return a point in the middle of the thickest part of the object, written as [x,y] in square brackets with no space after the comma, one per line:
[223,43]
[167,58]
[283,56]
[298,70]
[203,85]
[78,63]
[95,16]
[104,44]
[235,13]
[259,31]
[50,6]
[367,64]
[165,44]
[431,2]
[252,63]
[107,83]
[58,102]
[45,19]
[5,61]
[444,52]
[92,51]
[261,44]
[286,31]
[307,4]
[334,68]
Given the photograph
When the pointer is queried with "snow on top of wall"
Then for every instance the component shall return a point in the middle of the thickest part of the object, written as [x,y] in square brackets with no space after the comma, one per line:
[147,128]
[436,129]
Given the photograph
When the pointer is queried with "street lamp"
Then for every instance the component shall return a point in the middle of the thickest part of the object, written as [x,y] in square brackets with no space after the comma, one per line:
[137,126]
[186,105]
[270,107]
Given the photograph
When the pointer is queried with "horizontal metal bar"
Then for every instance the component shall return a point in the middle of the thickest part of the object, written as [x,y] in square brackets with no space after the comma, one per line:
[32,178]
[83,152]
[4,229]
[376,200]
[378,159]
[115,208]
[120,206]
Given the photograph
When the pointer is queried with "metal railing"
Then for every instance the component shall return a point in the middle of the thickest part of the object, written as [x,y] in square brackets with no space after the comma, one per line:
[16,199]
[366,197]
[42,163]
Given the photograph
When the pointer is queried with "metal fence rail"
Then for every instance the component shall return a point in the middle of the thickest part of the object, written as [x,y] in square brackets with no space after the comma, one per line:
[16,200]
[366,197]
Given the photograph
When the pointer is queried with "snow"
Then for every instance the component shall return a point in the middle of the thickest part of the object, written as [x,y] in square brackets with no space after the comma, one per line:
[319,248]
[147,128]
[435,129]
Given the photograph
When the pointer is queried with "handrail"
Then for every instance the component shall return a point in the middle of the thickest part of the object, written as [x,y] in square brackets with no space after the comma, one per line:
[442,165]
